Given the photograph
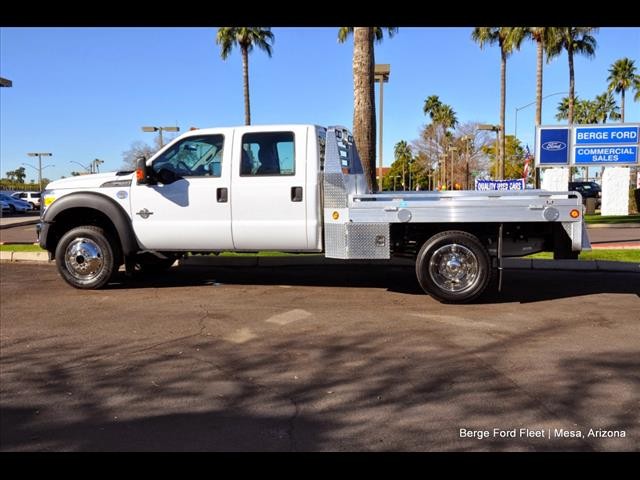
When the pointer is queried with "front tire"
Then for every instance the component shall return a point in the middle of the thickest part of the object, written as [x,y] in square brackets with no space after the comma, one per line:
[453,267]
[86,258]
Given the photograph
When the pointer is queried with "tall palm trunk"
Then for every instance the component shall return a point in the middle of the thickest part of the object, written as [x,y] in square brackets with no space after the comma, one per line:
[364,120]
[540,51]
[245,81]
[503,94]
[571,95]
[571,83]
[622,107]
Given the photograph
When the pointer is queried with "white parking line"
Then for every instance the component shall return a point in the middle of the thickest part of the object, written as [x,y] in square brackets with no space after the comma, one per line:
[457,321]
[241,336]
[288,317]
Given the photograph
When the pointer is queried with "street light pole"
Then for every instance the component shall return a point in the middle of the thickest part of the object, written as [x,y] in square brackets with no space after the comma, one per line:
[381,74]
[40,155]
[515,134]
[88,169]
[160,130]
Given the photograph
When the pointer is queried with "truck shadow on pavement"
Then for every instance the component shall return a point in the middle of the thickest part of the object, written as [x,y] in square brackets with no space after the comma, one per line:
[523,286]
[337,391]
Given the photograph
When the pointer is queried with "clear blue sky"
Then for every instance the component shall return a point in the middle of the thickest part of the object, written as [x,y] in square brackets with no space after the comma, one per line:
[84,93]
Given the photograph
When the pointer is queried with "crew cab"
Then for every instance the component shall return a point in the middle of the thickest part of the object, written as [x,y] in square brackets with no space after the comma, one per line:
[292,188]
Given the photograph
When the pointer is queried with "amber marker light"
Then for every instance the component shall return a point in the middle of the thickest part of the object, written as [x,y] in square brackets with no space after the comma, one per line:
[574,213]
[335,215]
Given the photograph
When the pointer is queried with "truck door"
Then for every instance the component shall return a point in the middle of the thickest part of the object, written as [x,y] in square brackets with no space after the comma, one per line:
[189,207]
[268,197]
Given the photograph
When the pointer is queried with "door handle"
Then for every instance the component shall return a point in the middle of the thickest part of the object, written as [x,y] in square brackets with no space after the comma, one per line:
[296,194]
[222,195]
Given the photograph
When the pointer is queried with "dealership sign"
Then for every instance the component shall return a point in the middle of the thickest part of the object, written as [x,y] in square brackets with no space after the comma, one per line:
[587,145]
[517,184]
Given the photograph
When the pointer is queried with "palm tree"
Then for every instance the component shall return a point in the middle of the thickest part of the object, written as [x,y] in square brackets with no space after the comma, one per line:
[443,118]
[606,108]
[402,153]
[508,39]
[364,110]
[246,38]
[543,36]
[575,40]
[599,110]
[622,75]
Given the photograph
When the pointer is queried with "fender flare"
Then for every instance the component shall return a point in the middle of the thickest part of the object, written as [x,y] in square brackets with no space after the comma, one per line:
[102,204]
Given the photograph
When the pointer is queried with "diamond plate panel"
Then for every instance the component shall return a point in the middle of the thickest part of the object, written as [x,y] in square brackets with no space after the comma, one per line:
[335,192]
[368,240]
[357,240]
[335,240]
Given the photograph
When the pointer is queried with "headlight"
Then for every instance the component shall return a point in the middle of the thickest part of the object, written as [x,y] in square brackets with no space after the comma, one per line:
[48,197]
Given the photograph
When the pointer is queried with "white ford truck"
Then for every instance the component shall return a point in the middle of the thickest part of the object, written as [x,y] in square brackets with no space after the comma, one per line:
[293,188]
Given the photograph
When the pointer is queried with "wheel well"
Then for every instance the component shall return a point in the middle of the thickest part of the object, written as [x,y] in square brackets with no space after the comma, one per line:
[75,217]
[407,238]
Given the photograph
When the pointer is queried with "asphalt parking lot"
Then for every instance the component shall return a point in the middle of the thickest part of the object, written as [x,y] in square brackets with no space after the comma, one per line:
[317,358]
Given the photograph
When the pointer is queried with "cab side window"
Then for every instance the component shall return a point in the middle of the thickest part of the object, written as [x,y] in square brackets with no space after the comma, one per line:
[193,157]
[267,153]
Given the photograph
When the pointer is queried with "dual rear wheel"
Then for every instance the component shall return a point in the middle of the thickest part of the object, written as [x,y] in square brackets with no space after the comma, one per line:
[453,267]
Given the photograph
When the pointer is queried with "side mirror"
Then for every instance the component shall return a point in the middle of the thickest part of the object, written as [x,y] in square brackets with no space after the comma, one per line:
[144,175]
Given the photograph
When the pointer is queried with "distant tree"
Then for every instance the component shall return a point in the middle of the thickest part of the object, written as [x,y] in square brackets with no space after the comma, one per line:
[514,164]
[576,41]
[441,114]
[245,38]
[136,150]
[364,110]
[599,110]
[18,175]
[622,77]
[606,108]
[404,158]
[508,39]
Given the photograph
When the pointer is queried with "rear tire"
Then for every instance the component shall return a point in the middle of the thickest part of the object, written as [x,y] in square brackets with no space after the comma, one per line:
[86,258]
[453,267]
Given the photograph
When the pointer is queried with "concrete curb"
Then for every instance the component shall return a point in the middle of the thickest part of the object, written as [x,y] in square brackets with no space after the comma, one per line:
[311,261]
[25,256]
[613,225]
[20,224]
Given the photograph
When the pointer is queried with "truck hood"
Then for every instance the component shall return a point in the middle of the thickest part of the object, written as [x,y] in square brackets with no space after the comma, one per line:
[88,181]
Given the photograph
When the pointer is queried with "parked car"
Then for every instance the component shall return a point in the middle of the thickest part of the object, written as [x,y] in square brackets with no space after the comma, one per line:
[32,197]
[15,204]
[5,206]
[587,190]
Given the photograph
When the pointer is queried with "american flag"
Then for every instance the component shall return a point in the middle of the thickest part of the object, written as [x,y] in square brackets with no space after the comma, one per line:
[527,162]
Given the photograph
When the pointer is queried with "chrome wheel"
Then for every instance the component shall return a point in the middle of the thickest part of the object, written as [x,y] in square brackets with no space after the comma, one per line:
[84,259]
[454,268]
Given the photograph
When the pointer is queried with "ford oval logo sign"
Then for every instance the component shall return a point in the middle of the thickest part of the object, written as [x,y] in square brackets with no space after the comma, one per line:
[554,146]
